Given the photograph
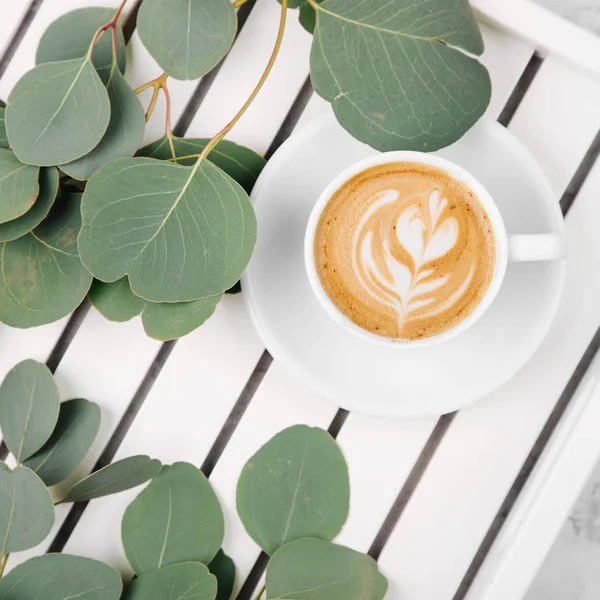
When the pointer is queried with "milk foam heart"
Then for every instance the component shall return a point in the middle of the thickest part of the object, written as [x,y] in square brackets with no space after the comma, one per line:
[404,250]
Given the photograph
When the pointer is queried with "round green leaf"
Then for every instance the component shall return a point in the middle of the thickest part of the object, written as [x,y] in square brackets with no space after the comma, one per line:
[115,301]
[180,233]
[318,570]
[187,38]
[114,478]
[162,321]
[57,112]
[124,134]
[185,581]
[18,186]
[29,408]
[295,486]
[294,3]
[223,569]
[402,79]
[75,431]
[26,510]
[61,577]
[42,278]
[308,17]
[18,227]
[172,320]
[240,163]
[177,518]
[70,36]
[3,138]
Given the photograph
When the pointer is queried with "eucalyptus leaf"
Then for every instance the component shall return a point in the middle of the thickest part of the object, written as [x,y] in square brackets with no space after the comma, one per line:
[57,112]
[26,510]
[70,36]
[400,77]
[308,17]
[240,163]
[162,321]
[3,138]
[184,581]
[19,186]
[187,38]
[48,182]
[42,278]
[114,478]
[61,577]
[177,518]
[75,431]
[180,233]
[115,301]
[172,320]
[294,3]
[29,408]
[295,486]
[313,569]
[223,569]
[124,134]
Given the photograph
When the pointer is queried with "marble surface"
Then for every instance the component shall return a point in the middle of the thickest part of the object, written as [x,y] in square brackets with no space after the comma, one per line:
[583,12]
[571,570]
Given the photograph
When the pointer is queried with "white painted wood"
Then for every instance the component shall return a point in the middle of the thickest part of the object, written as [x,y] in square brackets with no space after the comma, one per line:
[12,16]
[479,458]
[546,501]
[558,120]
[544,30]
[181,416]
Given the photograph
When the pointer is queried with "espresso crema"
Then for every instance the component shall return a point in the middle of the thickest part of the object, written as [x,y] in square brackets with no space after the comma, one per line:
[405,251]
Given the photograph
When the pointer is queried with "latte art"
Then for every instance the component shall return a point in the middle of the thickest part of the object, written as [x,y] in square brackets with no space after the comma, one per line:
[405,251]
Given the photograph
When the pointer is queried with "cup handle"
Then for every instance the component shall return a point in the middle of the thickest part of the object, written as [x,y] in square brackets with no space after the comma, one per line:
[534,247]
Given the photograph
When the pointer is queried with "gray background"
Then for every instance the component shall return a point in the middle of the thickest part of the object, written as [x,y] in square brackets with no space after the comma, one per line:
[583,12]
[571,570]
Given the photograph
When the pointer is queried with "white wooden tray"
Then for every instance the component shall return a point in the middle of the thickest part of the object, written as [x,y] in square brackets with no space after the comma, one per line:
[428,496]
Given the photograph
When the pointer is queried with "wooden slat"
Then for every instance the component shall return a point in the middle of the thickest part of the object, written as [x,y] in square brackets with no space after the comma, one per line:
[479,458]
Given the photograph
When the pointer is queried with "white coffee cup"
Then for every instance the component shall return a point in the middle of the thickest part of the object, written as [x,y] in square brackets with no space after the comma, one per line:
[509,247]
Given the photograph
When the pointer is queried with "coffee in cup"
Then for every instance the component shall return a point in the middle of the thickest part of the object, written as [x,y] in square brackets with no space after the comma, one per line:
[404,250]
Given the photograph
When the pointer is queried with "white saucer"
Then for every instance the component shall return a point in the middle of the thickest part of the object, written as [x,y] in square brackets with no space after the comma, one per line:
[391,382]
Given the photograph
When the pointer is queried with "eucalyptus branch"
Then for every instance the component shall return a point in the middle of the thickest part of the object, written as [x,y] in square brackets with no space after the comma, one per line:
[111,24]
[239,3]
[186,157]
[3,561]
[215,140]
[261,592]
[158,84]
